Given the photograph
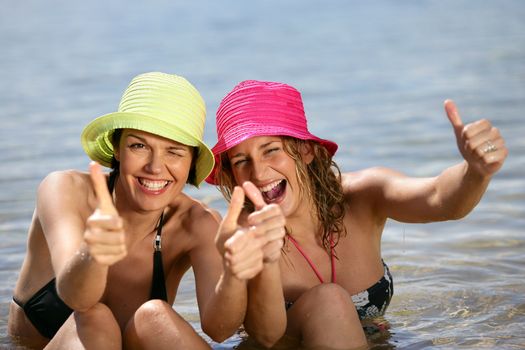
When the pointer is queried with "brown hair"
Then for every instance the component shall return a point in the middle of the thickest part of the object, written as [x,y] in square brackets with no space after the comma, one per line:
[319,182]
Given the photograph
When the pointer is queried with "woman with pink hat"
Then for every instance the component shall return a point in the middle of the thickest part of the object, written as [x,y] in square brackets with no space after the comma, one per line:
[329,280]
[106,254]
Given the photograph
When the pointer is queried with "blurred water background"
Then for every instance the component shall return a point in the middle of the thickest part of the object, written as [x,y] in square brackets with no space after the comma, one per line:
[373,75]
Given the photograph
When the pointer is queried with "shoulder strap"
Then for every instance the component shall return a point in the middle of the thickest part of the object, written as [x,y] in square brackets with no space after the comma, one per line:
[158,282]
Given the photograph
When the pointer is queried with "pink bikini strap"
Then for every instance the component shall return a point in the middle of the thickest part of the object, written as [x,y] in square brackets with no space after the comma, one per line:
[310,262]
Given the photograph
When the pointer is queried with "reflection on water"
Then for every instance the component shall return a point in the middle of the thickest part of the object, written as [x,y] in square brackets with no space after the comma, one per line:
[373,77]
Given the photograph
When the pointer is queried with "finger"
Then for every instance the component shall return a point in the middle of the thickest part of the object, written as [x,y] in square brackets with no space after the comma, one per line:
[270,213]
[453,115]
[248,266]
[105,202]
[107,250]
[275,234]
[272,251]
[254,194]
[97,236]
[105,222]
[108,260]
[229,223]
[245,241]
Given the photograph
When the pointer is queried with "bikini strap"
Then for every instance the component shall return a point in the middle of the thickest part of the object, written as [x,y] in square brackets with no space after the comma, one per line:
[157,241]
[158,281]
[310,262]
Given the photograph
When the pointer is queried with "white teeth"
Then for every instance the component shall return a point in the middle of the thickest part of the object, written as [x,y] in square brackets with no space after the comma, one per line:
[270,186]
[153,185]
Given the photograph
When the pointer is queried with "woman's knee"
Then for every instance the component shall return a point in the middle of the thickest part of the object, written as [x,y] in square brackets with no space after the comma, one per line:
[328,297]
[326,316]
[156,325]
[152,312]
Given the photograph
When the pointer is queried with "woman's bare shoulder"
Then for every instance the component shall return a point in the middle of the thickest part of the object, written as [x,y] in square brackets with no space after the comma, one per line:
[195,216]
[66,188]
[65,178]
[366,179]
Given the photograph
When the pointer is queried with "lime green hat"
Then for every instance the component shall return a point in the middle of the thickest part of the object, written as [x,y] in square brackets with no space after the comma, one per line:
[162,104]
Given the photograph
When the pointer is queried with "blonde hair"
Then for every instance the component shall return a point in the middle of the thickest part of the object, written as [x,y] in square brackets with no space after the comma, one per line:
[319,183]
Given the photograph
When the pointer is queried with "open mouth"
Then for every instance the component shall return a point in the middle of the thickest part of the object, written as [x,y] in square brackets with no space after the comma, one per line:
[153,185]
[274,191]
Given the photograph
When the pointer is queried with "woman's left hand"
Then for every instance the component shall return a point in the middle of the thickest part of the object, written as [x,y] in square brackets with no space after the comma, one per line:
[269,219]
[479,142]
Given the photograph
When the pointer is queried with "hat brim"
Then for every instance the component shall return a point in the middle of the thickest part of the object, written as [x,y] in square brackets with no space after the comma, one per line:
[96,138]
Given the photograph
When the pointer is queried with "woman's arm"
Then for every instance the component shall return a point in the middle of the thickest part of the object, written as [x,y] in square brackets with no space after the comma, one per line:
[450,195]
[221,270]
[266,317]
[79,247]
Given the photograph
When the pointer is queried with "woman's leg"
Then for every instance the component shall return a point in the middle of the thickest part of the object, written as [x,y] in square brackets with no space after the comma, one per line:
[22,330]
[156,325]
[325,316]
[95,328]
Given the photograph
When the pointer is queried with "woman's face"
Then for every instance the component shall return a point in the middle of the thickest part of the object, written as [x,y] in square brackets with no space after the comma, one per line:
[153,169]
[263,161]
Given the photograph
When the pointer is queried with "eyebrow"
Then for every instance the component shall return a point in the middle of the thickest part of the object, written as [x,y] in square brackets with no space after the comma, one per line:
[264,145]
[178,146]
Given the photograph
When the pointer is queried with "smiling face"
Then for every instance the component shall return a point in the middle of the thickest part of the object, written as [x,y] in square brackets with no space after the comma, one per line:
[153,169]
[264,161]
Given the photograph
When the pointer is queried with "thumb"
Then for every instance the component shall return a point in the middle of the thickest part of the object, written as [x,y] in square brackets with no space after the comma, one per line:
[105,202]
[229,223]
[254,194]
[453,115]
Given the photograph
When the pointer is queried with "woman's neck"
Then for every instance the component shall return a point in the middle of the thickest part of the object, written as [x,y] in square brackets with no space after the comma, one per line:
[303,225]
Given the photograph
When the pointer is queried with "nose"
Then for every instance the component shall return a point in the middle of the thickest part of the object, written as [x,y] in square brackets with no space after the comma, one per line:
[154,165]
[258,170]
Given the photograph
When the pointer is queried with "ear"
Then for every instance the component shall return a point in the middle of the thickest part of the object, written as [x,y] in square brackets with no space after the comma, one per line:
[307,152]
[116,153]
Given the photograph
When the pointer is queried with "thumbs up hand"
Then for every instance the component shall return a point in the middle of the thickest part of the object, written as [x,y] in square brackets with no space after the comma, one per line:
[104,233]
[246,248]
[480,143]
[241,247]
[269,219]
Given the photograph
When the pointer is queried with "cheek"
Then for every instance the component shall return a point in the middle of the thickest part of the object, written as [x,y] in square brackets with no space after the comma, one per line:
[181,166]
[239,176]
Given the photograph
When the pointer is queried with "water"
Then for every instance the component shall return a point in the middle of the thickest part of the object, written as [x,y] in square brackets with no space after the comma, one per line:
[373,76]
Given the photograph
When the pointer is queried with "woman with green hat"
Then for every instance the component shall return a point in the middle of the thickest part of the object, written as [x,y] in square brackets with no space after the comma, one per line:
[106,253]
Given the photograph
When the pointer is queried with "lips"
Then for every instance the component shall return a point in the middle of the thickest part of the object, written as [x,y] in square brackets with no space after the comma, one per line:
[272,192]
[153,185]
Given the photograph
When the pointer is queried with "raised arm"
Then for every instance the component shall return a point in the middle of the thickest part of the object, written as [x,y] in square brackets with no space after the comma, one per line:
[266,315]
[453,193]
[222,268]
[81,251]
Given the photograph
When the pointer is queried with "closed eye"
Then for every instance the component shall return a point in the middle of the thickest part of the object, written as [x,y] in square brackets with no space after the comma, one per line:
[271,150]
[177,152]
[239,162]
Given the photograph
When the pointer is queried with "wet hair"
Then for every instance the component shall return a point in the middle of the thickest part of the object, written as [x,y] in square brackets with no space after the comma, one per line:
[115,164]
[319,183]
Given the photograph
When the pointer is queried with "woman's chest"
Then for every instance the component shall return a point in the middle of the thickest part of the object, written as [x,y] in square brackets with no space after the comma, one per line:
[355,264]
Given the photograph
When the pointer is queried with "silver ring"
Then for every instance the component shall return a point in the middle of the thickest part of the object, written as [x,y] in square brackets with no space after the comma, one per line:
[489,147]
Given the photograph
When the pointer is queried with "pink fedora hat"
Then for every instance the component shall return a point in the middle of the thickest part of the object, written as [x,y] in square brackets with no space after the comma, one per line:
[261,108]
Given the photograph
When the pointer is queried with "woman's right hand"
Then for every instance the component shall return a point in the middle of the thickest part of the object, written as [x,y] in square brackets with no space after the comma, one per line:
[104,235]
[245,249]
